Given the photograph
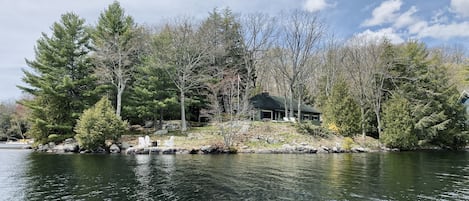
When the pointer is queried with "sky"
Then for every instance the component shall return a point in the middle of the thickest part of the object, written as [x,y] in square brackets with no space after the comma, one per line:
[434,22]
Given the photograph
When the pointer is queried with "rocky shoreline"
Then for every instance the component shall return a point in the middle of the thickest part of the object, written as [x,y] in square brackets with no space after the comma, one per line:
[256,138]
[71,146]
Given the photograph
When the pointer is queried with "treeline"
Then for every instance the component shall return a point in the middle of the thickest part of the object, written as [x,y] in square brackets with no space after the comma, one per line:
[405,94]
[13,121]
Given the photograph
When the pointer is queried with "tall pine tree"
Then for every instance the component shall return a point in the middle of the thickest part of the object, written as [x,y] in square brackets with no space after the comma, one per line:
[152,96]
[423,81]
[222,32]
[61,79]
[118,44]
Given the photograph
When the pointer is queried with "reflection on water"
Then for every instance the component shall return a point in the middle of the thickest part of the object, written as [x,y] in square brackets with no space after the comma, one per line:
[143,175]
[375,176]
[12,168]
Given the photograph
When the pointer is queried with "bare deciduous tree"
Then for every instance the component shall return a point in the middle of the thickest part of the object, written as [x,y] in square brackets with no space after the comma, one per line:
[366,72]
[258,32]
[230,121]
[299,35]
[330,65]
[456,61]
[182,58]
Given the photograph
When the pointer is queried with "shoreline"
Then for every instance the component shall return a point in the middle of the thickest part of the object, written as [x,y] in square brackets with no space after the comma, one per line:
[259,138]
[210,150]
[5,145]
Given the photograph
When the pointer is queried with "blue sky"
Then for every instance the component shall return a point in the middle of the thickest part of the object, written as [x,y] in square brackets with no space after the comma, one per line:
[435,22]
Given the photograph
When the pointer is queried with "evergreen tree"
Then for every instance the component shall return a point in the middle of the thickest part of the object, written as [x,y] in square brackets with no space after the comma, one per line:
[153,95]
[423,81]
[455,135]
[341,113]
[431,96]
[398,124]
[119,45]
[61,79]
[98,124]
[222,32]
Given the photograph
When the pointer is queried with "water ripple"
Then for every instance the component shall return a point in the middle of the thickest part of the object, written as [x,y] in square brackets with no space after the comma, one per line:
[373,176]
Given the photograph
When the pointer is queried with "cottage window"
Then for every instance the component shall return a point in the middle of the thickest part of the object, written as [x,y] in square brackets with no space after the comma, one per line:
[266,114]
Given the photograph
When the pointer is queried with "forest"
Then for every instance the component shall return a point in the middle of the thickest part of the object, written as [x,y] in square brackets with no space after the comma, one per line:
[92,81]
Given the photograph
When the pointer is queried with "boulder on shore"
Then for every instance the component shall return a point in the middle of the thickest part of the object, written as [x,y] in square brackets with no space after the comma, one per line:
[114,149]
[358,150]
[43,148]
[124,145]
[161,132]
[70,145]
[209,149]
[169,151]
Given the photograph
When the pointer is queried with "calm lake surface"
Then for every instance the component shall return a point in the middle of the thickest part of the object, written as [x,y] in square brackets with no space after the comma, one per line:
[25,175]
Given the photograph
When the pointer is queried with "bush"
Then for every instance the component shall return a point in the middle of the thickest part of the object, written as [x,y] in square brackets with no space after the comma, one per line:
[347,143]
[58,138]
[98,124]
[314,130]
[232,150]
[52,138]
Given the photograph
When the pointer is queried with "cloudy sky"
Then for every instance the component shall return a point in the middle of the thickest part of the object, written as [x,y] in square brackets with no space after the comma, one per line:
[435,22]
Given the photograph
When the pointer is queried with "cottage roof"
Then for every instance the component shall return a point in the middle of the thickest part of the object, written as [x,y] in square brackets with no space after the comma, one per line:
[268,102]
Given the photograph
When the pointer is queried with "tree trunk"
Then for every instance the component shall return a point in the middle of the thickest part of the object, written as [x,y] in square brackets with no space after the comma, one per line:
[363,122]
[120,90]
[299,107]
[378,102]
[19,129]
[378,118]
[286,105]
[291,103]
[183,113]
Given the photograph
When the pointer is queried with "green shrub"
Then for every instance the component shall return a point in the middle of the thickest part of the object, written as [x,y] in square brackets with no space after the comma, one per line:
[98,124]
[347,143]
[52,137]
[232,150]
[314,130]
[58,138]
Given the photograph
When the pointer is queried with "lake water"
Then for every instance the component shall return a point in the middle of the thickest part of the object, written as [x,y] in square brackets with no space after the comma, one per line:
[25,175]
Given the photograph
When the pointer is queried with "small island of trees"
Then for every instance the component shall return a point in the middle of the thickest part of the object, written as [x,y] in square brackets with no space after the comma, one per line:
[90,82]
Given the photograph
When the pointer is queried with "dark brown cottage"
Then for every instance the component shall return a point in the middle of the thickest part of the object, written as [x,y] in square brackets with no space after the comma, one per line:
[268,107]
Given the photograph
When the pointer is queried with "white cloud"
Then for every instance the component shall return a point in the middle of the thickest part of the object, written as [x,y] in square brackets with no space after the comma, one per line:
[388,33]
[423,29]
[460,7]
[407,24]
[445,31]
[406,18]
[384,13]
[316,5]
[417,27]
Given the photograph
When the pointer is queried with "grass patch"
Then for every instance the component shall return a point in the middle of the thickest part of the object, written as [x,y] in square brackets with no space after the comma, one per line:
[261,135]
[263,145]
